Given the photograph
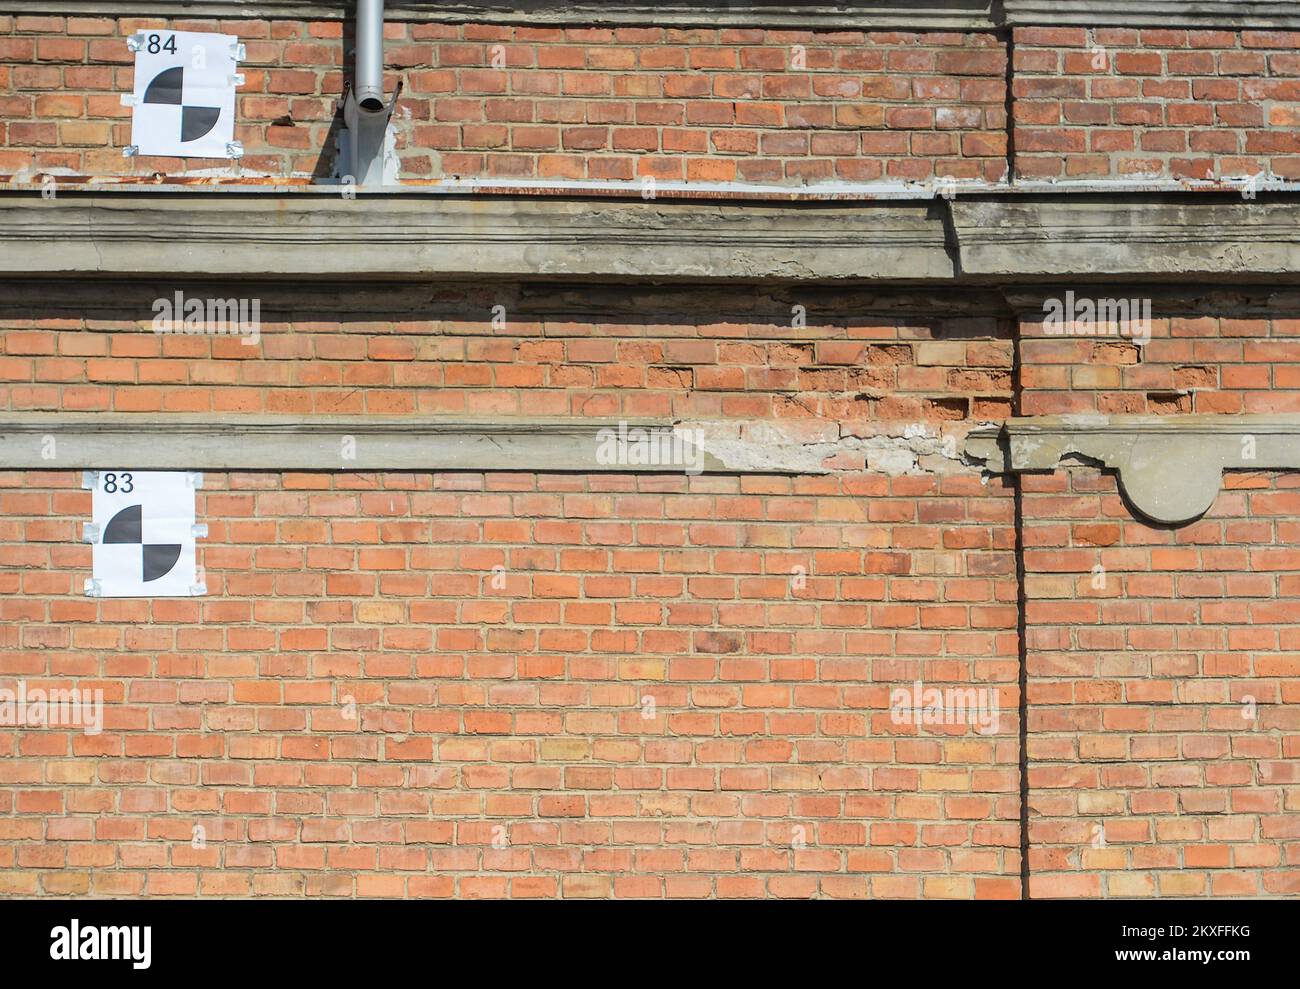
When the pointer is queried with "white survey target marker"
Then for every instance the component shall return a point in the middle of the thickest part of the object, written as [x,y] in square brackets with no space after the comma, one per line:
[183,103]
[143,535]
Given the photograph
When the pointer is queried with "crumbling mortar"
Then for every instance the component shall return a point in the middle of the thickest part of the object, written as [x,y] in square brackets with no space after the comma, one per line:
[818,446]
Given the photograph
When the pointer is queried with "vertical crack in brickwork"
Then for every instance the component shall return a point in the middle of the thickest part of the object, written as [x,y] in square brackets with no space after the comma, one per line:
[1022,649]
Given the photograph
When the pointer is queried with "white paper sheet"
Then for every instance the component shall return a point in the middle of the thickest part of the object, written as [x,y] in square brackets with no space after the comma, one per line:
[143,534]
[184,97]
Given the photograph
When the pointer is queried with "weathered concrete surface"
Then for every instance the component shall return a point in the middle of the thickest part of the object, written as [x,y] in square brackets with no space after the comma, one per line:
[1170,467]
[994,239]
[405,237]
[1069,238]
[159,442]
[146,441]
[1154,13]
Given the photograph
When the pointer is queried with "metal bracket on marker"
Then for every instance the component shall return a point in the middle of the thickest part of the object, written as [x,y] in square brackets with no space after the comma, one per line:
[94,589]
[135,41]
[128,99]
[89,532]
[199,530]
[239,51]
[90,479]
[194,479]
[235,149]
[237,79]
[130,151]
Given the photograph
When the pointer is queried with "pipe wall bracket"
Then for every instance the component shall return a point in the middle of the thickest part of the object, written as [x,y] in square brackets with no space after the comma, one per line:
[368,155]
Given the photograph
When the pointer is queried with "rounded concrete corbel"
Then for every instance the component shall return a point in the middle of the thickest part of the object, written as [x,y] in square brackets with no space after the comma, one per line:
[1170,468]
[1172,479]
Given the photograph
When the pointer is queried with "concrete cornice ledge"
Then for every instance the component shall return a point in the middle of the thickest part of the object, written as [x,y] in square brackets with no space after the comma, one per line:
[412,238]
[1154,13]
[142,441]
[1170,467]
[1254,240]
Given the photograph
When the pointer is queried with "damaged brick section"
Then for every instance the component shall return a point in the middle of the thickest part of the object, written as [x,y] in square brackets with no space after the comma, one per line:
[510,650]
[892,449]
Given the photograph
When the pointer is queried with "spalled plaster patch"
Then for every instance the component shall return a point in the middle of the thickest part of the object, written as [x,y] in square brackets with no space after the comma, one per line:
[818,446]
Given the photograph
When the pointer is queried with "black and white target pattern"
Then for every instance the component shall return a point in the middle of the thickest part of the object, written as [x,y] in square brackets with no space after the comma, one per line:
[126,528]
[165,96]
[183,101]
[144,534]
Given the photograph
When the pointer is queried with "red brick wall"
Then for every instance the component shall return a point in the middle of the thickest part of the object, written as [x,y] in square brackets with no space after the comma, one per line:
[512,697]
[702,105]
[1150,772]
[660,353]
[1162,689]
[753,105]
[1117,103]
[1196,362]
[61,80]
[769,766]
[783,107]
[500,634]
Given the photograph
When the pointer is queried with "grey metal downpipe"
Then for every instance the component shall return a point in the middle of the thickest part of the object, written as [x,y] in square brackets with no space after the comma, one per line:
[369,84]
[365,111]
